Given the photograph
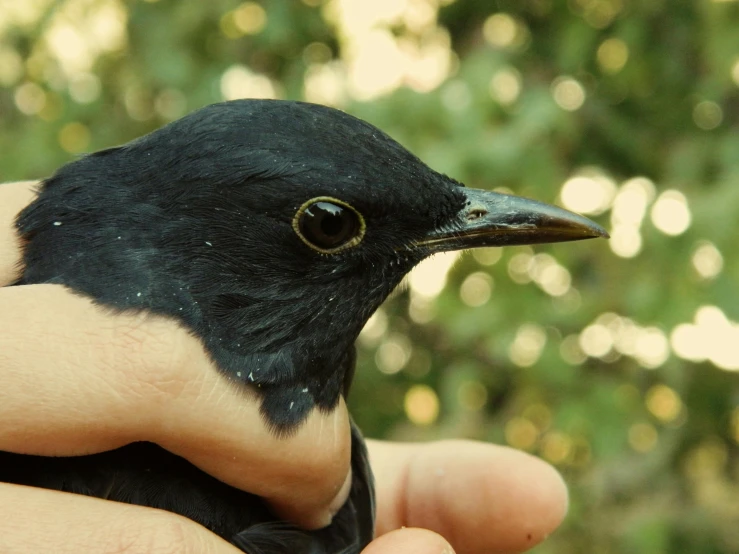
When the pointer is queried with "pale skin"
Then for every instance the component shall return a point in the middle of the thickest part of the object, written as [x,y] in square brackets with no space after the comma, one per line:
[76,379]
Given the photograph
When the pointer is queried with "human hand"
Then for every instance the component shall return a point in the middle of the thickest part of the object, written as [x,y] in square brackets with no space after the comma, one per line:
[78,379]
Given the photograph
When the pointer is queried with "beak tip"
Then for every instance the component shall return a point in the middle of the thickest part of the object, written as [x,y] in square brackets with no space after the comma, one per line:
[600,232]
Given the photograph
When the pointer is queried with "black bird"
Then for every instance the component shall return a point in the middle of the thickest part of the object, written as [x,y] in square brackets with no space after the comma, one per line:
[272,230]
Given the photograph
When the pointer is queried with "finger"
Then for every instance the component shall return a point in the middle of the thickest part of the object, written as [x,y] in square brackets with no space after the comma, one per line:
[409,541]
[13,198]
[480,497]
[76,379]
[37,520]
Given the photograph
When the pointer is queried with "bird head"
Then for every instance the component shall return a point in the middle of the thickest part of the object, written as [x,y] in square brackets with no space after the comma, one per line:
[270,229]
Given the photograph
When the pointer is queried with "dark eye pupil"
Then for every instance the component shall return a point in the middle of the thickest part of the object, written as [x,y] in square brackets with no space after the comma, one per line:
[332,224]
[328,225]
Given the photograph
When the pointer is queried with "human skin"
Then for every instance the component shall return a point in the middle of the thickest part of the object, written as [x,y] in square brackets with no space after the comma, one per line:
[77,379]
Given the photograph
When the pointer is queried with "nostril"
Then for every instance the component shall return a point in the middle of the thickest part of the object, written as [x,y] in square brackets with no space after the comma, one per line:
[476,214]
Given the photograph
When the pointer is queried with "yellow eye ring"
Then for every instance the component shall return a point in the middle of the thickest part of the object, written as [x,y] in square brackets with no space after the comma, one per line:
[329,225]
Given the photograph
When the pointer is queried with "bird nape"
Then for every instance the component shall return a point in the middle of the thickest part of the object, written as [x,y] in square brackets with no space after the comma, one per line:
[272,230]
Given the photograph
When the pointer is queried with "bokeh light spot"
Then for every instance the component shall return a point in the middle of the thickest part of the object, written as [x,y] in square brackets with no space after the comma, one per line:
[589,192]
[612,55]
[707,260]
[500,30]
[428,278]
[238,81]
[393,353]
[670,213]
[556,447]
[685,341]
[476,289]
[711,336]
[521,433]
[421,405]
[569,302]
[631,201]
[626,240]
[250,18]
[596,340]
[642,437]
[628,211]
[568,93]
[374,329]
[68,45]
[664,403]
[317,53]
[707,115]
[707,459]
[29,98]
[377,65]
[421,309]
[549,275]
[651,348]
[600,13]
[528,344]
[505,86]
[325,83]
[518,267]
[487,256]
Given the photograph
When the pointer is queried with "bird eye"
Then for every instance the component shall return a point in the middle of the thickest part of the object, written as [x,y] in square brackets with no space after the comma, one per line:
[329,225]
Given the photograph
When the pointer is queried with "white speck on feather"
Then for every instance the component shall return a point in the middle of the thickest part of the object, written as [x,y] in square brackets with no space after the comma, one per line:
[57,223]
[291,405]
[251,376]
[208,243]
[238,374]
[305,389]
[138,294]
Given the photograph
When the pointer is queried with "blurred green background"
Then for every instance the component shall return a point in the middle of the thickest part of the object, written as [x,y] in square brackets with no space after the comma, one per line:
[615,361]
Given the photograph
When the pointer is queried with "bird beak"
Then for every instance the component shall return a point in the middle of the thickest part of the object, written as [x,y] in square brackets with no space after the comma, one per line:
[495,219]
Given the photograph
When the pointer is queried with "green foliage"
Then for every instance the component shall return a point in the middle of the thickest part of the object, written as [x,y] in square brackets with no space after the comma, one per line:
[646,435]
